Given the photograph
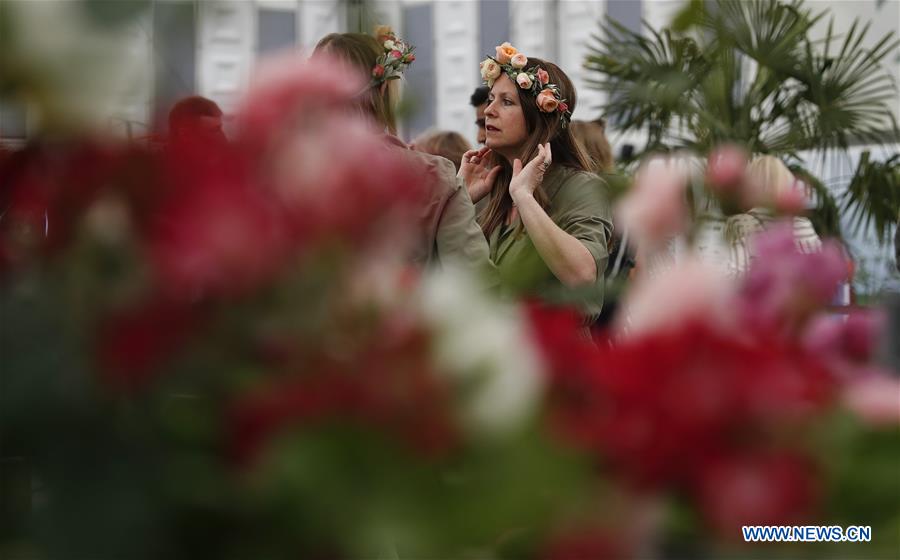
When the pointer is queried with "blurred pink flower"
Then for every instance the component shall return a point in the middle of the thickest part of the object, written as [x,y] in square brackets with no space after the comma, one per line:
[654,209]
[874,397]
[757,488]
[846,341]
[791,200]
[784,287]
[725,168]
[692,290]
[290,84]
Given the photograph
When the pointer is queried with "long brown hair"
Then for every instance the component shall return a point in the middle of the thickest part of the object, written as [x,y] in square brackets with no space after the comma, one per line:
[592,135]
[542,128]
[361,51]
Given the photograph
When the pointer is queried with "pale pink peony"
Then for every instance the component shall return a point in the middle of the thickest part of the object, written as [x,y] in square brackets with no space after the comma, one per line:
[875,398]
[690,291]
[725,167]
[654,209]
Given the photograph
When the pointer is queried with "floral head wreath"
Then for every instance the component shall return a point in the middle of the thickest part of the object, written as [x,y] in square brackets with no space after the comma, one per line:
[397,55]
[535,79]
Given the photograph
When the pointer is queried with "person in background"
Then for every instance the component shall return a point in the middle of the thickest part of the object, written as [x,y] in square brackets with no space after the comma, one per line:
[897,245]
[447,227]
[774,179]
[548,217]
[479,101]
[592,135]
[444,143]
[195,120]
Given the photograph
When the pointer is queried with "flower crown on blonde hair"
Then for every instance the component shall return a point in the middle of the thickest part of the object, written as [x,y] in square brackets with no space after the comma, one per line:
[536,80]
[397,55]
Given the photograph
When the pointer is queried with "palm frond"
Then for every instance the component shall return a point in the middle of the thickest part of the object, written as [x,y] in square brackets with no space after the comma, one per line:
[873,197]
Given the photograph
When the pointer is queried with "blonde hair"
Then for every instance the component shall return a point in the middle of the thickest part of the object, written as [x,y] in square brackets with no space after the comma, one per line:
[592,135]
[771,175]
[444,143]
[361,51]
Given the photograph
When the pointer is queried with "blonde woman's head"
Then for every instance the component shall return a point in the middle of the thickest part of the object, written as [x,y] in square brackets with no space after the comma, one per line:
[771,176]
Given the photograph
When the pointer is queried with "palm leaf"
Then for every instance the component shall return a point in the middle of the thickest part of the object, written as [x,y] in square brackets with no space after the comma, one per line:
[872,200]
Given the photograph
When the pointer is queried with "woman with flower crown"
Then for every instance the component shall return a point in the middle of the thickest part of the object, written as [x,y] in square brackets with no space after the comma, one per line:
[547,219]
[448,228]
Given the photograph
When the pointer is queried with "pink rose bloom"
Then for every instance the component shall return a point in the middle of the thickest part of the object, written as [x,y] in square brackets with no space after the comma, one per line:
[505,52]
[875,398]
[543,76]
[396,54]
[524,80]
[563,107]
[546,101]
[518,60]
[655,208]
[378,71]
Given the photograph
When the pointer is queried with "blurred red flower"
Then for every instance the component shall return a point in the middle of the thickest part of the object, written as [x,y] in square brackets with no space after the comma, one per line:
[757,488]
[656,407]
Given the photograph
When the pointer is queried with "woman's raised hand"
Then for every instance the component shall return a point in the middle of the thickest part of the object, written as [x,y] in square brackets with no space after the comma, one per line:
[526,179]
[476,175]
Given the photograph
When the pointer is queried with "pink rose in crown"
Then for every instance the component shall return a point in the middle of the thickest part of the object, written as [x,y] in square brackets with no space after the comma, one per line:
[505,52]
[378,71]
[563,107]
[518,61]
[543,77]
[546,101]
[409,58]
[524,80]
[396,54]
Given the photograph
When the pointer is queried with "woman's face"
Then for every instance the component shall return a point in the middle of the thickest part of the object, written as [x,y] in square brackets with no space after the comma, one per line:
[504,119]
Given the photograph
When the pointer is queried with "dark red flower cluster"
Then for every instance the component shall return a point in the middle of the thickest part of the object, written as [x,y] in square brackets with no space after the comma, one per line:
[682,408]
[390,385]
[45,190]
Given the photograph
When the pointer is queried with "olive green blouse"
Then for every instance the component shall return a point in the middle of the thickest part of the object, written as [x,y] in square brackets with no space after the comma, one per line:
[579,205]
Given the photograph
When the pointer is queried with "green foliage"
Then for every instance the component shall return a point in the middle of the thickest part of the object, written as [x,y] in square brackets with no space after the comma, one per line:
[873,197]
[749,71]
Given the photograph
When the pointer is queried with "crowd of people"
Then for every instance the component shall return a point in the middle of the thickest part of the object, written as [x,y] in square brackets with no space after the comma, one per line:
[528,207]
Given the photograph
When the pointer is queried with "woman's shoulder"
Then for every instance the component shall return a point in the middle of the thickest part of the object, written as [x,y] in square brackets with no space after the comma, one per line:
[570,181]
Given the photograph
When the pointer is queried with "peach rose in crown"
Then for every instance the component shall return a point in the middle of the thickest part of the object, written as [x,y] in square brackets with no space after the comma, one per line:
[490,71]
[543,76]
[524,80]
[546,101]
[518,61]
[505,52]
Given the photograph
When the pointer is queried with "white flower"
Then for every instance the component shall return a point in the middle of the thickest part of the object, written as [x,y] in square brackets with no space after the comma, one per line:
[490,70]
[389,45]
[481,344]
